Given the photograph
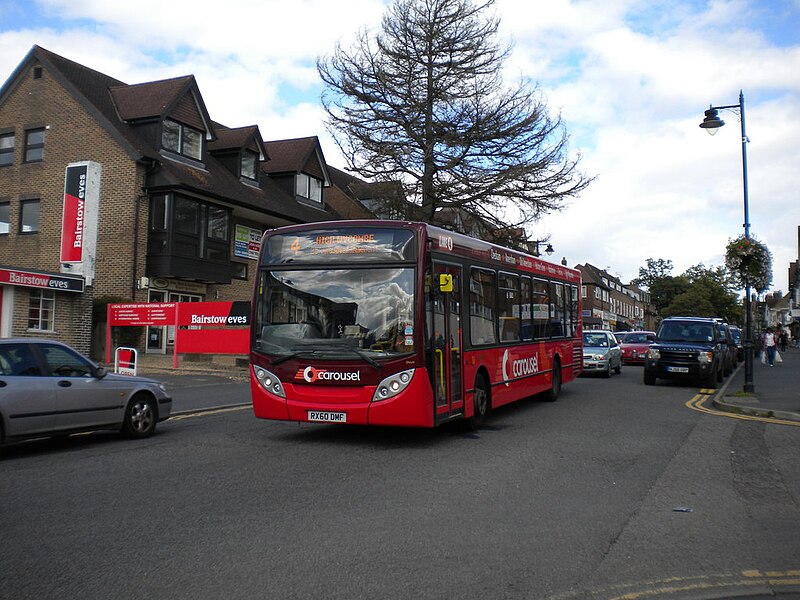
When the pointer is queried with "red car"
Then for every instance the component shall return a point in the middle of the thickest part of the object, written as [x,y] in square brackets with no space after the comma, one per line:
[634,346]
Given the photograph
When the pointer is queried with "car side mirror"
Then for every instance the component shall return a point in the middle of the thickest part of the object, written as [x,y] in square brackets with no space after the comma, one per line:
[100,372]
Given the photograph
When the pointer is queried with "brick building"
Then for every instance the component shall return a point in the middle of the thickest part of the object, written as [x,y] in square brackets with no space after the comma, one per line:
[117,192]
[610,304]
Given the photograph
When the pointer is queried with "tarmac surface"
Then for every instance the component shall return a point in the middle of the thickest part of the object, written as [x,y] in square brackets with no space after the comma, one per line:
[776,395]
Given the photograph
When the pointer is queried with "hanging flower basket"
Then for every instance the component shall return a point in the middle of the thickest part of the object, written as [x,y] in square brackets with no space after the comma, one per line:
[749,262]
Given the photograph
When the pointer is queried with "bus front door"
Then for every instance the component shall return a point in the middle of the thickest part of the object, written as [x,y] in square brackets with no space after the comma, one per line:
[445,318]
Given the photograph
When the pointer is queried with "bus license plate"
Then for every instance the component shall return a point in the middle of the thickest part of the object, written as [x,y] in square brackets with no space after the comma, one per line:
[678,369]
[323,416]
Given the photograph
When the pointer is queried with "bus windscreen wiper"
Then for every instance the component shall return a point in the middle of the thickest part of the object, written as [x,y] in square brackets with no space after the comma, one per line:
[278,360]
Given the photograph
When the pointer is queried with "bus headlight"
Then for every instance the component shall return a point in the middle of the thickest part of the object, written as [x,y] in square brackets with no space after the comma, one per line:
[393,385]
[269,381]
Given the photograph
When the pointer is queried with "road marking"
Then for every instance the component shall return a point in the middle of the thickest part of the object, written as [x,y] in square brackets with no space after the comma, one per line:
[202,412]
[697,403]
[676,587]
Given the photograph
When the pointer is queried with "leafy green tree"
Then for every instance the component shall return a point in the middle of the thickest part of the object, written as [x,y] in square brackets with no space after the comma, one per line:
[423,102]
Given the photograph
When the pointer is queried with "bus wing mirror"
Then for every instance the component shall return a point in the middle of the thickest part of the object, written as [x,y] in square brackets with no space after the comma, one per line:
[445,282]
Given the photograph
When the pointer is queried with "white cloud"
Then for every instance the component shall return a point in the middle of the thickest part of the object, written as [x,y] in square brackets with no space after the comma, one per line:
[631,79]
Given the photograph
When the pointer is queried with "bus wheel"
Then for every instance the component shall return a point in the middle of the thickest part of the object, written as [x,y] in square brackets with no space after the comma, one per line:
[552,394]
[482,402]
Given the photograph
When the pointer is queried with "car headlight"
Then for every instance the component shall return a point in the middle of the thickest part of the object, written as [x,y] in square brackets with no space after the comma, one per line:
[393,385]
[269,381]
[653,353]
[705,357]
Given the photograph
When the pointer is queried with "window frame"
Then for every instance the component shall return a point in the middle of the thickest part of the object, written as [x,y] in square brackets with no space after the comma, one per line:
[45,301]
[182,144]
[5,217]
[251,172]
[9,150]
[22,205]
[34,147]
[303,187]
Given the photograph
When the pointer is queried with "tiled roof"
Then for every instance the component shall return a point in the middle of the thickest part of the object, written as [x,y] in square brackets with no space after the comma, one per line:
[152,99]
[115,105]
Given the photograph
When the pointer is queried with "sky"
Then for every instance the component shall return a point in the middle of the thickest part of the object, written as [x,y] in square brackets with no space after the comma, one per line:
[630,79]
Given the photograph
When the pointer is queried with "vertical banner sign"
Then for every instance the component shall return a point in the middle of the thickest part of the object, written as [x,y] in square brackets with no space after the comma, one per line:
[79,219]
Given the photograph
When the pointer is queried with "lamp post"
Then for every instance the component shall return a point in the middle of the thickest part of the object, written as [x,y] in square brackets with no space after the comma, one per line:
[711,123]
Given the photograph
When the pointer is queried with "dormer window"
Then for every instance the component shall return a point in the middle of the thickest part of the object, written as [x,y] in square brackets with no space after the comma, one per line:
[309,187]
[182,139]
[249,162]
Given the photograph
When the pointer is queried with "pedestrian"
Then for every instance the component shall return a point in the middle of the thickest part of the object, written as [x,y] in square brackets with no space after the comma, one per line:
[770,346]
[784,340]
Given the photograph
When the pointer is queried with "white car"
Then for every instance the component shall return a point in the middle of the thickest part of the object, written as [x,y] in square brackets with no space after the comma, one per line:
[601,352]
[47,388]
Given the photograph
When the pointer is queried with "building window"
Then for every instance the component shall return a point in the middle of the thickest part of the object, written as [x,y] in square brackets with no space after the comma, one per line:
[181,139]
[186,214]
[249,162]
[7,141]
[217,223]
[5,217]
[29,216]
[309,187]
[34,145]
[41,310]
[239,270]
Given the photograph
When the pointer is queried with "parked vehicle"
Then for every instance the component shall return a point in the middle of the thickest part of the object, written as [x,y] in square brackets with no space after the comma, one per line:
[687,348]
[601,353]
[634,346]
[731,357]
[48,388]
[736,334]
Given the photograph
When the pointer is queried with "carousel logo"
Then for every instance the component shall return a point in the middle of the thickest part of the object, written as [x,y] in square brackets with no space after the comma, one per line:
[519,367]
[312,375]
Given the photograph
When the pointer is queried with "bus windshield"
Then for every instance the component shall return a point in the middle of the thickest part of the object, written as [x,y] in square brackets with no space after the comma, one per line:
[336,313]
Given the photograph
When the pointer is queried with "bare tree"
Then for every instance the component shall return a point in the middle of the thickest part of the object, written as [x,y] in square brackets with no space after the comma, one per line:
[423,102]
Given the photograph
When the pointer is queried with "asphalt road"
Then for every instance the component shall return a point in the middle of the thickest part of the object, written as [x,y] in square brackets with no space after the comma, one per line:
[614,491]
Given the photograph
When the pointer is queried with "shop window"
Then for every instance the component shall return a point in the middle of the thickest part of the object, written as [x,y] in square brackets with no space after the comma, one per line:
[41,310]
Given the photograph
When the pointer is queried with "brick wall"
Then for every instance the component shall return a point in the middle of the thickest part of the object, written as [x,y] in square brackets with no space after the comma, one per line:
[71,135]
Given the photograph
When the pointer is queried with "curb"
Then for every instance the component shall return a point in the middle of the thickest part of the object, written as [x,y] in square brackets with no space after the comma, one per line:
[752,411]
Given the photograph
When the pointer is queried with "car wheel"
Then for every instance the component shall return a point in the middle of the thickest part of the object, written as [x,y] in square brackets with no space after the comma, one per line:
[552,394]
[140,417]
[607,372]
[482,402]
[618,370]
[649,378]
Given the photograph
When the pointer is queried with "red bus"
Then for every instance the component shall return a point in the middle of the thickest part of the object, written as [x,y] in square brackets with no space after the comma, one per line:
[399,323]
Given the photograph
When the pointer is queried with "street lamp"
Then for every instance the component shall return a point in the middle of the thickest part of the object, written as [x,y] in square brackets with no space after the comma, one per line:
[711,123]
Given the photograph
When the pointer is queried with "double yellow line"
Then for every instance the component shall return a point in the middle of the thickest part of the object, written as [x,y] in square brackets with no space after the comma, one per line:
[698,403]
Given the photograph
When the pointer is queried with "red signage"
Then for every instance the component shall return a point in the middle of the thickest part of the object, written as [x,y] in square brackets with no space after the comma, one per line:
[49,281]
[73,218]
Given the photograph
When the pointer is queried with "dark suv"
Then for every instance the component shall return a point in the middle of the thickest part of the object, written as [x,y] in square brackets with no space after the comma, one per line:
[687,348]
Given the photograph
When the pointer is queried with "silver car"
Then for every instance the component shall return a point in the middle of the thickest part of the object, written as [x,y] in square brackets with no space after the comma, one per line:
[601,352]
[48,388]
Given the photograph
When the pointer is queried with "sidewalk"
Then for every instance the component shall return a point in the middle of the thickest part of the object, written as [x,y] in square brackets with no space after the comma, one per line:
[777,389]
[153,365]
